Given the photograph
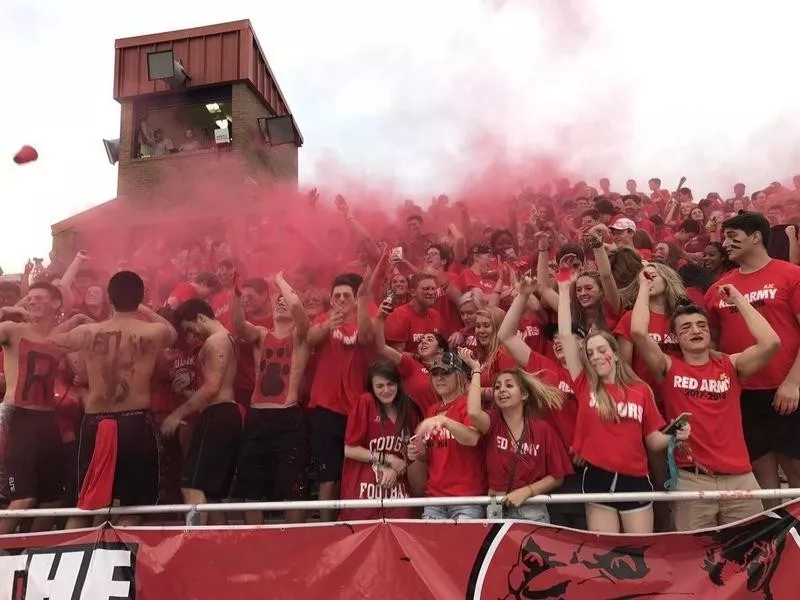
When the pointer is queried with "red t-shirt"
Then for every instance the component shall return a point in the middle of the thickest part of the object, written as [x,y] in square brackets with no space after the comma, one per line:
[445,307]
[617,447]
[648,226]
[178,372]
[502,361]
[538,453]
[712,393]
[366,429]
[454,469]
[221,304]
[469,280]
[341,368]
[417,383]
[659,331]
[405,325]
[557,376]
[774,291]
[183,292]
[532,333]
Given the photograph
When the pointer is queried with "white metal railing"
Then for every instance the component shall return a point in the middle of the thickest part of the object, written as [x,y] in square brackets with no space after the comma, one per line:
[192,510]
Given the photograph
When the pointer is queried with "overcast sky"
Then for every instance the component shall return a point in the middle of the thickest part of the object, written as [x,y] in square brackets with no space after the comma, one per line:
[422,92]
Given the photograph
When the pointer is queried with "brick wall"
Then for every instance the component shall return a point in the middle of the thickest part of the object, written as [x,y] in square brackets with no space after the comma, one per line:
[168,179]
[265,163]
[139,179]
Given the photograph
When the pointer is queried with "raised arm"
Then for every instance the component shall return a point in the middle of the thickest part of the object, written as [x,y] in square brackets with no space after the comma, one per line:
[381,347]
[301,321]
[507,334]
[475,410]
[767,343]
[607,281]
[657,362]
[246,331]
[572,353]
[363,319]
[167,332]
[69,279]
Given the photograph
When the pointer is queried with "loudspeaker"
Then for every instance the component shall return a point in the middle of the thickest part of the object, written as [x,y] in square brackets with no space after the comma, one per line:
[112,150]
[278,131]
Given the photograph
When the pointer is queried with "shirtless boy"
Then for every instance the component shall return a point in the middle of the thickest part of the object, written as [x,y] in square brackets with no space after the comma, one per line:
[120,355]
[210,464]
[32,450]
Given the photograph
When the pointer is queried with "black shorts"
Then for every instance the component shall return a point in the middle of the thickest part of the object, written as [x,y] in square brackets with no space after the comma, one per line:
[31,455]
[137,473]
[243,396]
[599,481]
[327,443]
[211,461]
[572,514]
[765,430]
[274,456]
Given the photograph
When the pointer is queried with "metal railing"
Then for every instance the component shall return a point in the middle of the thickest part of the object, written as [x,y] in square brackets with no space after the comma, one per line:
[192,511]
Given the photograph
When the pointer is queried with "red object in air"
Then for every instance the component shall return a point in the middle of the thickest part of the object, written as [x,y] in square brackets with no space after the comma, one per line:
[25,155]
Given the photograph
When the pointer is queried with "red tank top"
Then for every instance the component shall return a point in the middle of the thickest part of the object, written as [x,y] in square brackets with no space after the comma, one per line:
[37,376]
[274,370]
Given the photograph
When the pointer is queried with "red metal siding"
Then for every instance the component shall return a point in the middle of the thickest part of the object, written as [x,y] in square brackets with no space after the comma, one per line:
[224,53]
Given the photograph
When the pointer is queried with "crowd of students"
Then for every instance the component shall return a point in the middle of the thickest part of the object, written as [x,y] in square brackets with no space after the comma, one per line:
[576,348]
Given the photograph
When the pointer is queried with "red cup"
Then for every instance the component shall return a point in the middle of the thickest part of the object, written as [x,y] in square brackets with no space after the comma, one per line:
[25,155]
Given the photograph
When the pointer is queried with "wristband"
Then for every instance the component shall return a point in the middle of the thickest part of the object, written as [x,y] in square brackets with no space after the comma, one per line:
[476,373]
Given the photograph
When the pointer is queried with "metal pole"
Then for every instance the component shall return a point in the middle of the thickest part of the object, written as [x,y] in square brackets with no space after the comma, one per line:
[777,494]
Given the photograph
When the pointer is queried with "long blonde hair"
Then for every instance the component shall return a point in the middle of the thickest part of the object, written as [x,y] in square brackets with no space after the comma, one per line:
[541,397]
[495,316]
[624,377]
[674,289]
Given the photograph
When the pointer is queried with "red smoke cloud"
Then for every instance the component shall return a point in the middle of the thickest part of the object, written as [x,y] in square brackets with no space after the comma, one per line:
[272,228]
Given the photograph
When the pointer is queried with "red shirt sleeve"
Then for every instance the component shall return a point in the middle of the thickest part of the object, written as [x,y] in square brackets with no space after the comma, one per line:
[651,418]
[183,292]
[623,328]
[468,280]
[556,459]
[358,423]
[406,366]
[794,293]
[396,328]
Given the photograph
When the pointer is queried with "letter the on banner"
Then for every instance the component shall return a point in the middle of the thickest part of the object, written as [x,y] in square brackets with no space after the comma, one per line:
[757,559]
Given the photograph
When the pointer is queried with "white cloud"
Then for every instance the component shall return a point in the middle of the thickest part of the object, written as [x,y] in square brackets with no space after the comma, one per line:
[398,90]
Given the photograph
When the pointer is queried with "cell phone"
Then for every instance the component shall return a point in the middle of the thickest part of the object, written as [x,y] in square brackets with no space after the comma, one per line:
[389,297]
[677,423]
[397,253]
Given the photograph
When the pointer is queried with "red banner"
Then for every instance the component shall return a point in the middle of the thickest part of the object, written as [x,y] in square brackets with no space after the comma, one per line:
[491,560]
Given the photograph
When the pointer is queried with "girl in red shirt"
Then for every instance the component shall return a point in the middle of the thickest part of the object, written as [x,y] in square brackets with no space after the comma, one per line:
[377,434]
[488,351]
[617,423]
[413,368]
[448,441]
[524,455]
[555,374]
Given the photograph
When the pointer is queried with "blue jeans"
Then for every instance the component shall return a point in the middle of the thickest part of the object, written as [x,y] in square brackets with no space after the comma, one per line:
[527,512]
[458,512]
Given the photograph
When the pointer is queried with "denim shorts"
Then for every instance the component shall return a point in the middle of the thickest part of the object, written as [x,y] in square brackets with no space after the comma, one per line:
[527,512]
[458,512]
